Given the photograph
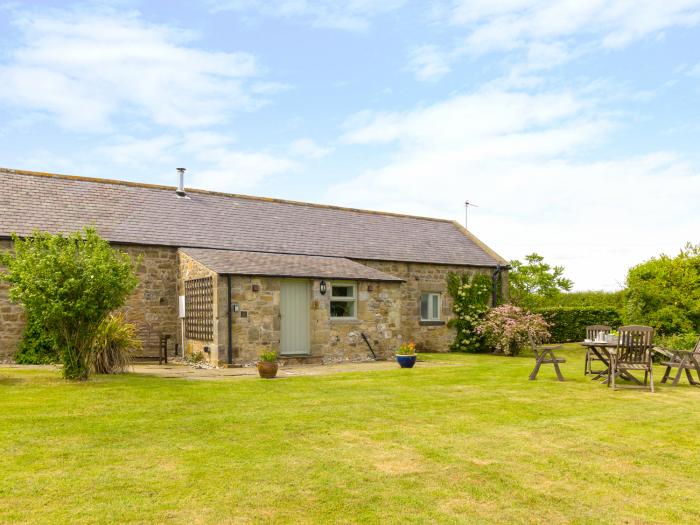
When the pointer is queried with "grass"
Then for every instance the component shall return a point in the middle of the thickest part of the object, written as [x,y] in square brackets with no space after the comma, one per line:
[472,442]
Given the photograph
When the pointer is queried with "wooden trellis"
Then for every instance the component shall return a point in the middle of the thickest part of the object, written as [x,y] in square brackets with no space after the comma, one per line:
[199,309]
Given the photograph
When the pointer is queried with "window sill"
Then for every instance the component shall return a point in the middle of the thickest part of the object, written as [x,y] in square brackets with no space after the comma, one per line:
[344,320]
[431,323]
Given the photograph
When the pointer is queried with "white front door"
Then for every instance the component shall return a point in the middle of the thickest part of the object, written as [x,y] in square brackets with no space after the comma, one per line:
[294,313]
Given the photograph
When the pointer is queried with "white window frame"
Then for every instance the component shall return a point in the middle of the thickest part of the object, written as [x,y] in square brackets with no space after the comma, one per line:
[430,306]
[344,299]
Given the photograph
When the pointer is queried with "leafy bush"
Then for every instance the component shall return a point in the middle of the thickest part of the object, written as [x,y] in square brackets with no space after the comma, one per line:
[598,299]
[269,356]
[114,341]
[507,329]
[569,323]
[71,283]
[470,298]
[677,342]
[37,346]
[195,358]
[664,292]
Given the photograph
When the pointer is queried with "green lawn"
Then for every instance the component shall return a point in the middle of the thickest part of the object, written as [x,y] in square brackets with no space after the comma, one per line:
[474,442]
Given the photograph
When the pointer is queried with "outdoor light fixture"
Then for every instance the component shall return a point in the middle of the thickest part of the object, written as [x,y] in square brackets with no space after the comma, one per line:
[322,288]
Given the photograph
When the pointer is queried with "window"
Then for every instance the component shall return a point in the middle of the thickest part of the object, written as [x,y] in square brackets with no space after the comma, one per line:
[343,300]
[430,307]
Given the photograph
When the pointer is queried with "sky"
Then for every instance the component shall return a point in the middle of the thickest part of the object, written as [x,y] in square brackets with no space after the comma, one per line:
[574,126]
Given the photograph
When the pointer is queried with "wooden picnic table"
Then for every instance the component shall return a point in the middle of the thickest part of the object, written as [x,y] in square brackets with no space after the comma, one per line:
[600,349]
[603,351]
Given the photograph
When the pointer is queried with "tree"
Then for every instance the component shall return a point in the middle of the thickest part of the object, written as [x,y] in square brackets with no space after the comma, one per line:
[664,292]
[534,282]
[70,282]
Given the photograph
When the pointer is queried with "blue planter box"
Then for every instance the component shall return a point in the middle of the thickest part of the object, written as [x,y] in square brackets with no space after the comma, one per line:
[406,361]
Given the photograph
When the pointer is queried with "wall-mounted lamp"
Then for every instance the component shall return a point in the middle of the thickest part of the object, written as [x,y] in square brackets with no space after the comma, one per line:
[322,288]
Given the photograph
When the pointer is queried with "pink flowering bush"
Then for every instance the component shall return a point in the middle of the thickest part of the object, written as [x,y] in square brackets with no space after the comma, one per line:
[507,329]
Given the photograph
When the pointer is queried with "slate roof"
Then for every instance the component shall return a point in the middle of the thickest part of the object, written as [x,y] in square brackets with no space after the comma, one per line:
[126,212]
[285,265]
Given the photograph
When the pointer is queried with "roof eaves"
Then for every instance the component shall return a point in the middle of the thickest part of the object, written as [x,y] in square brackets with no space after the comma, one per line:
[337,277]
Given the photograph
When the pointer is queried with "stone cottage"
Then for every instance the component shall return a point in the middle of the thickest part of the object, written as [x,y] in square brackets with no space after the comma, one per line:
[229,276]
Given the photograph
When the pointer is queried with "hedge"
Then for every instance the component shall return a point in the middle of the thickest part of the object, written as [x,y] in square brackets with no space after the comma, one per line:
[568,323]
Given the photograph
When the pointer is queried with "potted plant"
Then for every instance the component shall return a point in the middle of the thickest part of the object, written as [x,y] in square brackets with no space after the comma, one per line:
[406,355]
[267,364]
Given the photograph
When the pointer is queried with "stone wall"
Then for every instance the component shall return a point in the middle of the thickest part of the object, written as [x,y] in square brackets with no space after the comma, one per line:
[152,307]
[387,312]
[420,278]
[192,269]
[11,318]
[378,317]
[256,326]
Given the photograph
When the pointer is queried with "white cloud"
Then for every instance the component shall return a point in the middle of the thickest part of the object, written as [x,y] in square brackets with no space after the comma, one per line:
[308,148]
[429,63]
[211,159]
[543,34]
[86,69]
[236,171]
[351,15]
[504,25]
[136,152]
[463,120]
[518,156]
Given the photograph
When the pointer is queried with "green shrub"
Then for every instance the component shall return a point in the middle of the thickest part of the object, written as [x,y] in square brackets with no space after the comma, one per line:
[114,341]
[470,299]
[37,346]
[195,358]
[569,323]
[595,298]
[664,292]
[269,356]
[685,341]
[70,282]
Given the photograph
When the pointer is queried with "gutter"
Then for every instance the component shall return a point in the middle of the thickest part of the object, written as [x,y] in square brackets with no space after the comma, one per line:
[229,356]
[498,269]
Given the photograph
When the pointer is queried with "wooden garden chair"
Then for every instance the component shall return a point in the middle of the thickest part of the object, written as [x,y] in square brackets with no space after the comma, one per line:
[633,353]
[545,355]
[592,334]
[684,362]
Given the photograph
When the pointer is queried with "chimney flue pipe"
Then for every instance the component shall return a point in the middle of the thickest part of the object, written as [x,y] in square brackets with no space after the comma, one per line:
[181,182]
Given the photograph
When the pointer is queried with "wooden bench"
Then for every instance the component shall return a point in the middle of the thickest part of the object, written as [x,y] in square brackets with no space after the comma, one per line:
[544,355]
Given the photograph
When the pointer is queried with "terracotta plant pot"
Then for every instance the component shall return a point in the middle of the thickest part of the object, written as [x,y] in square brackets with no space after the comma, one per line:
[406,361]
[267,369]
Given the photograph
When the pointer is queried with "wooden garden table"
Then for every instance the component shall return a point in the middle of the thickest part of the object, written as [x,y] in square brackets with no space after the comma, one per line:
[603,351]
[600,349]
